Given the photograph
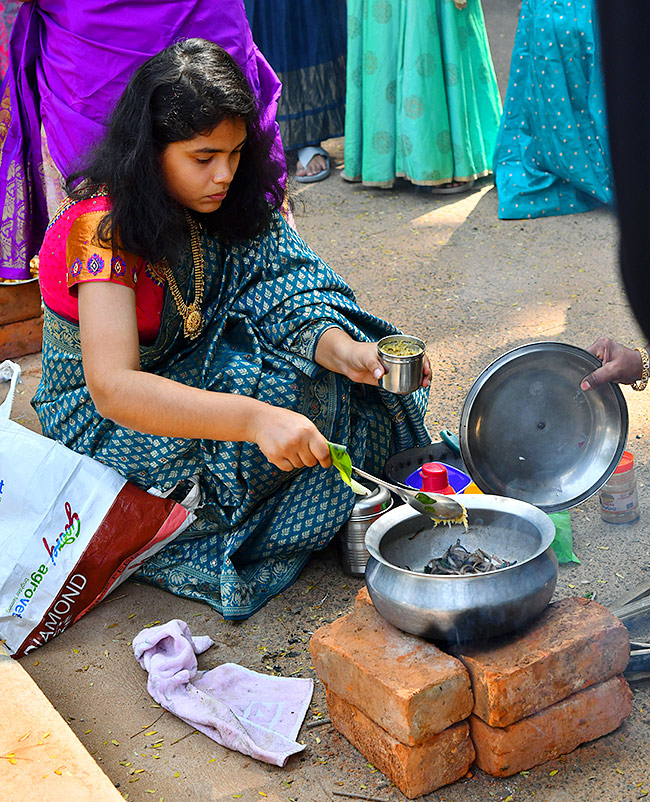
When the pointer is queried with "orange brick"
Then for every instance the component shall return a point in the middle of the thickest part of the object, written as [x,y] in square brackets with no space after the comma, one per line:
[403,683]
[19,301]
[574,644]
[415,770]
[51,763]
[23,337]
[588,714]
[363,601]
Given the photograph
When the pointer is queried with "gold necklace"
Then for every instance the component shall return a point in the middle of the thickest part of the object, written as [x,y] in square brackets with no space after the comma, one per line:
[192,315]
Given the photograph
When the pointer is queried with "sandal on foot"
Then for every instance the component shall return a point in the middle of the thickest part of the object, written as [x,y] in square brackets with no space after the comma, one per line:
[463,186]
[305,155]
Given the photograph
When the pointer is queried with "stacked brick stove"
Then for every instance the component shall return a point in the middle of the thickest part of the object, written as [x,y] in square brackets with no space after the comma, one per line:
[423,717]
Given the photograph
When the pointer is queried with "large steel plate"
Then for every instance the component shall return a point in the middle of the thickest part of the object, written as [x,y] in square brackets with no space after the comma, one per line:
[529,432]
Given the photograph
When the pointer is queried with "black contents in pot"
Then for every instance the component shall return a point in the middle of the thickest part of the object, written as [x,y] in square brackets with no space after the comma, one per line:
[458,560]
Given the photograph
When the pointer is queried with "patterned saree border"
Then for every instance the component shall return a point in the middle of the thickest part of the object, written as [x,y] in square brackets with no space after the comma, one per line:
[5,114]
[60,333]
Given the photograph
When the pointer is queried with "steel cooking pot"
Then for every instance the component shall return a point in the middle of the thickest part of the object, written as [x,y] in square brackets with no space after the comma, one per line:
[470,607]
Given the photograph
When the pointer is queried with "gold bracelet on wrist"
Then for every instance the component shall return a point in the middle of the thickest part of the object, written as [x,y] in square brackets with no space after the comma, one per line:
[645,375]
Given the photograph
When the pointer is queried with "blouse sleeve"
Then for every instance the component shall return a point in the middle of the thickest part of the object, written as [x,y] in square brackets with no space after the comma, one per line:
[88,260]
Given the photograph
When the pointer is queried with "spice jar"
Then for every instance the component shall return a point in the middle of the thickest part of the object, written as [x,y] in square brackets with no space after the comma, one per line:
[402,361]
[619,502]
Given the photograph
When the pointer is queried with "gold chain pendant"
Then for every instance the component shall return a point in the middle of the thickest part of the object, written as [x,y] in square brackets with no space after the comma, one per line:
[192,314]
[193,322]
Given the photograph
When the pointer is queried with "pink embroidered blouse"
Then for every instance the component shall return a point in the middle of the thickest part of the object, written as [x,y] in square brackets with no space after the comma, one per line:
[71,254]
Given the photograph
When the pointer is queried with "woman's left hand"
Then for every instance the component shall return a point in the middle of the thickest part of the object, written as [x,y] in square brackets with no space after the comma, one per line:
[364,365]
[620,364]
[337,351]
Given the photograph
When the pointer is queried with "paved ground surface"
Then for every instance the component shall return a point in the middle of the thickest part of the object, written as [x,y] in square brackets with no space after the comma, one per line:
[473,287]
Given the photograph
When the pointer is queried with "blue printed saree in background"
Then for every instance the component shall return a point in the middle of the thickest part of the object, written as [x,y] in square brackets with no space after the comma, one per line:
[422,96]
[304,41]
[266,303]
[552,154]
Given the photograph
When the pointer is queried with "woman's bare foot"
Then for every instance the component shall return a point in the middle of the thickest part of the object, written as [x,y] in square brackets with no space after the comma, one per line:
[452,184]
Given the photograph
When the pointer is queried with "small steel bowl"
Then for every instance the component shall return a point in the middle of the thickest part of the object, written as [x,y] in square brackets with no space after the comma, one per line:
[473,606]
[404,372]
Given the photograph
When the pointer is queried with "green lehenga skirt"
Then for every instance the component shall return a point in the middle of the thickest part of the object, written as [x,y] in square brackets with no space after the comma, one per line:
[422,97]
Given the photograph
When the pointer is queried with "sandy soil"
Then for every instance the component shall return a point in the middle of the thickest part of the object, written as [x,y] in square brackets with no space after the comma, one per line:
[473,287]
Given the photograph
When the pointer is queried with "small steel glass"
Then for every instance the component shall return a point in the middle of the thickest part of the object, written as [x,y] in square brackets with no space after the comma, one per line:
[404,372]
[353,554]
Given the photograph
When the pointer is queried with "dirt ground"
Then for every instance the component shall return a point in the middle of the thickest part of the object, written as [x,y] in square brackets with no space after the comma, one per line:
[473,287]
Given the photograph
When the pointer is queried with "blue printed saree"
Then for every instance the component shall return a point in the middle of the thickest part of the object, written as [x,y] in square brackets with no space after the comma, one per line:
[552,152]
[305,43]
[267,301]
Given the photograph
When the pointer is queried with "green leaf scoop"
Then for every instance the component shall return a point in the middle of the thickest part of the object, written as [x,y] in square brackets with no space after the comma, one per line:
[341,460]
[436,506]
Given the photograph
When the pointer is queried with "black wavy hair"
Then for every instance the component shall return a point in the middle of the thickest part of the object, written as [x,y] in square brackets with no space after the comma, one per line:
[184,91]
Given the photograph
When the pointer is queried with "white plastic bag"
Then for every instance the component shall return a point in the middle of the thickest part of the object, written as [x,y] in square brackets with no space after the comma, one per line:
[71,529]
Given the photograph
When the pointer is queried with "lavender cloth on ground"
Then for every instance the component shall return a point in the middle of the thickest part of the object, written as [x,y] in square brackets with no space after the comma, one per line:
[255,714]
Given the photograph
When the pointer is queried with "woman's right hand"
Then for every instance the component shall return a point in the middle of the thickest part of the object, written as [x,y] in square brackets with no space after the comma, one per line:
[620,364]
[289,440]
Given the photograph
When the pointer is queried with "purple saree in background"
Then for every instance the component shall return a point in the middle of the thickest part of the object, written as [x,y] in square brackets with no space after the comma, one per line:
[69,61]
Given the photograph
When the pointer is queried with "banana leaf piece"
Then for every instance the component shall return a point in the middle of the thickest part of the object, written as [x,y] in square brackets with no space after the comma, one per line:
[342,462]
[562,544]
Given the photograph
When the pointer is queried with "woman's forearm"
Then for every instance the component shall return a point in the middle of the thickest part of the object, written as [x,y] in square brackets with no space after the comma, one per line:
[332,349]
[143,401]
[157,405]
